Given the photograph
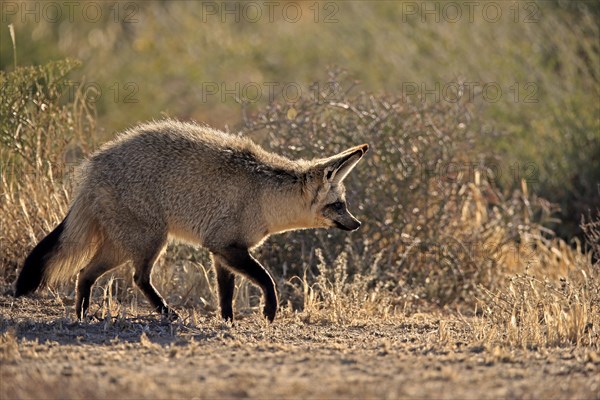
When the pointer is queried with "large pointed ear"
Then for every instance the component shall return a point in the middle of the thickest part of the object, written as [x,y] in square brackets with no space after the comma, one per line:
[337,167]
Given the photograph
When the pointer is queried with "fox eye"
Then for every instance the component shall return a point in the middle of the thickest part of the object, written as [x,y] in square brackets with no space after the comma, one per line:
[337,206]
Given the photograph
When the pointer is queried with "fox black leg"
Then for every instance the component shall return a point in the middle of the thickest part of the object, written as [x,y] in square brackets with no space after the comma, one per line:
[105,259]
[141,277]
[226,284]
[240,260]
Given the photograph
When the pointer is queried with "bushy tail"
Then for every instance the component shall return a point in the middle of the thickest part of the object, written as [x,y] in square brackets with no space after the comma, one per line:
[32,274]
[60,254]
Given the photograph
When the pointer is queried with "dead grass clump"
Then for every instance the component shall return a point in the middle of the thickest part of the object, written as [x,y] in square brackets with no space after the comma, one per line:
[339,297]
[531,312]
[554,302]
[45,128]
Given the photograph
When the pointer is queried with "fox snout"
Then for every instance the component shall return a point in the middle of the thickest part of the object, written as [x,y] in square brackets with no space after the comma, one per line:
[340,217]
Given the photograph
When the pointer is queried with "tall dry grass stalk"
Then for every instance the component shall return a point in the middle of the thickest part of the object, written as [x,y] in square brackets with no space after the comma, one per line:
[45,129]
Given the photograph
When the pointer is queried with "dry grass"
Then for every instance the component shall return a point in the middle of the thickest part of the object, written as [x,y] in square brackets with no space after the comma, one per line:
[44,132]
[536,309]
[303,355]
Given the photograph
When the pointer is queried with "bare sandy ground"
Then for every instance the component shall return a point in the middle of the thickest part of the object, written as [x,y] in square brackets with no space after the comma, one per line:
[44,353]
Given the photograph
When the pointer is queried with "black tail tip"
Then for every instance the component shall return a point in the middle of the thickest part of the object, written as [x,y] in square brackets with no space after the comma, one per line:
[33,271]
[32,274]
[26,285]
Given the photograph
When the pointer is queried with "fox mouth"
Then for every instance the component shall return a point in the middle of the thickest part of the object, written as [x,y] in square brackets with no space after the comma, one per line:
[344,227]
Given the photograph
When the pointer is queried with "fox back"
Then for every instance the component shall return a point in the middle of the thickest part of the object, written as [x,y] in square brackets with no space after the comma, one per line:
[202,185]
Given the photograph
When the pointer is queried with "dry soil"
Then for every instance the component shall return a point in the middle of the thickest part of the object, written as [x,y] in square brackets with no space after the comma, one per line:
[45,353]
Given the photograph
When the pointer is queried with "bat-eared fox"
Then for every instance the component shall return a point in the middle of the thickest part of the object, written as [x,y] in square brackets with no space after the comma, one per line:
[192,183]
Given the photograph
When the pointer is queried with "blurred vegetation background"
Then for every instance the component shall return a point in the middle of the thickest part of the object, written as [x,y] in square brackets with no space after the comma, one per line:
[531,68]
[485,130]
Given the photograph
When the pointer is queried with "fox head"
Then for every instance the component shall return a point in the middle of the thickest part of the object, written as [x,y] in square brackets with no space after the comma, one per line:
[325,186]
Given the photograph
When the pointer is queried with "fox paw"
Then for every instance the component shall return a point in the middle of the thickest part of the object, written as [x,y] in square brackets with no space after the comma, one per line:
[269,311]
